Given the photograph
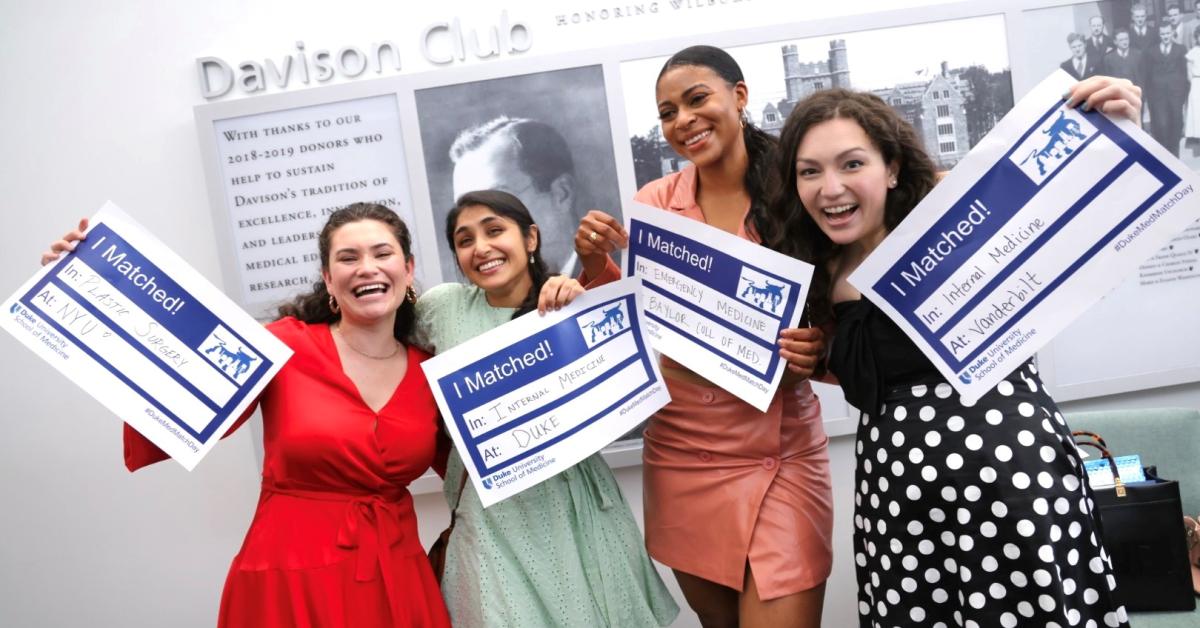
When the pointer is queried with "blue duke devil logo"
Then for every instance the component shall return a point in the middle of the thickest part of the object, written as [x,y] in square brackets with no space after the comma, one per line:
[232,358]
[603,322]
[762,291]
[1049,147]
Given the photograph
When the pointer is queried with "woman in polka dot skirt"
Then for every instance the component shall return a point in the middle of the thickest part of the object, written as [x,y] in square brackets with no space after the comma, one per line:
[965,514]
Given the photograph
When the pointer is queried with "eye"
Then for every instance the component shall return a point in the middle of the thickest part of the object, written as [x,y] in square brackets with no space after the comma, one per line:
[495,231]
[805,171]
[697,99]
[463,242]
[854,164]
[666,114]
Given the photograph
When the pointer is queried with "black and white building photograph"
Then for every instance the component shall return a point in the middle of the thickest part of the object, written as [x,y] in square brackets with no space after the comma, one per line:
[544,137]
[1150,42]
[950,79]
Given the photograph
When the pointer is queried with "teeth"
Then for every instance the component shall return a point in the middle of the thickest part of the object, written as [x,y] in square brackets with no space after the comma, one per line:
[839,209]
[490,265]
[696,138]
[369,288]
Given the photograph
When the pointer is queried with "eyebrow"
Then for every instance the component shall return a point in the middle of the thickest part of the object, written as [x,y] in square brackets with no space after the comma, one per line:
[841,155]
[685,93]
[483,221]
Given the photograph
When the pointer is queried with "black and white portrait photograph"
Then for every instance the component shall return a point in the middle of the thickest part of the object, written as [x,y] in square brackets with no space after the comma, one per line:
[950,79]
[544,137]
[1150,42]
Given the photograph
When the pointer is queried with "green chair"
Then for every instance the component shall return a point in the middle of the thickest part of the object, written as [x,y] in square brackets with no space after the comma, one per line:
[1168,438]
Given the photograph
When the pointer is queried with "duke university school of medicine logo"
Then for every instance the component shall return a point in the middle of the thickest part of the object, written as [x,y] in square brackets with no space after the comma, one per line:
[765,293]
[1048,147]
[229,355]
[603,322]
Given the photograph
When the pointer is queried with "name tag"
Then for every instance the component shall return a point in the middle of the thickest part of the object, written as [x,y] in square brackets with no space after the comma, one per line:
[1100,472]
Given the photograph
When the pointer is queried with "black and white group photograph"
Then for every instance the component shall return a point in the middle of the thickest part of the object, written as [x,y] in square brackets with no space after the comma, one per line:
[1153,43]
[544,137]
[950,79]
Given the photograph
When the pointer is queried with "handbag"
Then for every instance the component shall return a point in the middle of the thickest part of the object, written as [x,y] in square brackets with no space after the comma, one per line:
[437,551]
[1141,525]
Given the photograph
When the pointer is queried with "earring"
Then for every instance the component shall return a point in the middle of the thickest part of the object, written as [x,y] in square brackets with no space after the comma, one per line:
[742,118]
[411,295]
[892,182]
[333,305]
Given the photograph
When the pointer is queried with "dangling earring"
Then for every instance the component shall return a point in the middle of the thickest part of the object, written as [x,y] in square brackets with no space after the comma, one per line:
[333,305]
[742,118]
[411,295]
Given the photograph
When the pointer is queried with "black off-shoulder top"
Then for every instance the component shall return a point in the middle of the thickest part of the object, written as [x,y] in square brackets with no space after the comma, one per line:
[870,355]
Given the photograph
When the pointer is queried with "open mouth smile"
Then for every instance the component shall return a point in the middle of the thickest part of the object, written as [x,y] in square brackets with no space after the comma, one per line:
[369,289]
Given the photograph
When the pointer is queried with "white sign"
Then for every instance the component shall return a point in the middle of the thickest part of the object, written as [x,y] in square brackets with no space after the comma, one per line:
[284,172]
[715,303]
[531,398]
[1048,213]
[146,335]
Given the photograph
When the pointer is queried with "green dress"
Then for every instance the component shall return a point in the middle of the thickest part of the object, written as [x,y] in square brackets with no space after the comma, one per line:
[566,552]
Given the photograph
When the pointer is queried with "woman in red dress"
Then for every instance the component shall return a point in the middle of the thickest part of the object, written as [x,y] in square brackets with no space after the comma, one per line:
[348,422]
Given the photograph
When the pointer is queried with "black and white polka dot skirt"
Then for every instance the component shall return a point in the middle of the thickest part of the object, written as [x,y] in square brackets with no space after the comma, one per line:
[977,516]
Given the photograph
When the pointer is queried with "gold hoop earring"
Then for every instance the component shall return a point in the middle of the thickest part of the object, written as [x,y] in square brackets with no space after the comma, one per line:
[411,295]
[333,305]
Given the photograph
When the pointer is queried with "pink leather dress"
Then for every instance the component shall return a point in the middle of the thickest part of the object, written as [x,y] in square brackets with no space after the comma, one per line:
[725,484]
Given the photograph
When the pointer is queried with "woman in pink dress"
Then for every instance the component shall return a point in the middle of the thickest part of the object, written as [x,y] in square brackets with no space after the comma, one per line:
[738,502]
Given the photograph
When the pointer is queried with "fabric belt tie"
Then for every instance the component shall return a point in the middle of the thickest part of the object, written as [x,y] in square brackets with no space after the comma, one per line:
[370,527]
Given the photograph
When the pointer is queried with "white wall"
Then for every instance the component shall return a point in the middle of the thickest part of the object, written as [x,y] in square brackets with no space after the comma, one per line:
[97,104]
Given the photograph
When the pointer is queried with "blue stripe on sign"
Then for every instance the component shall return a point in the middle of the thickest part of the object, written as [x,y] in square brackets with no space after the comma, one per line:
[1006,191]
[723,277]
[191,324]
[569,345]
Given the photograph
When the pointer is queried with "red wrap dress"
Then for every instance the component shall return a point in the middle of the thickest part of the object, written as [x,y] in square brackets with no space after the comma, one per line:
[333,543]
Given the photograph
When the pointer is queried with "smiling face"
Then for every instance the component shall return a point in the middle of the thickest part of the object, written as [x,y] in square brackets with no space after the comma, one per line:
[493,254]
[843,180]
[368,273]
[495,165]
[700,113]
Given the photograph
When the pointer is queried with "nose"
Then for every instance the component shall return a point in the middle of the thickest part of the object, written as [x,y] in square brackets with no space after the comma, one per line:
[831,184]
[684,117]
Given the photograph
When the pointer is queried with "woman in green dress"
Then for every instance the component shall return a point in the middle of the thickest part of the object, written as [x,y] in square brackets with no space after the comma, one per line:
[566,552]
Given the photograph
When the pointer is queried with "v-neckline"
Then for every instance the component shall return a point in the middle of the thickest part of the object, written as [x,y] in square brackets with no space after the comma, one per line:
[331,346]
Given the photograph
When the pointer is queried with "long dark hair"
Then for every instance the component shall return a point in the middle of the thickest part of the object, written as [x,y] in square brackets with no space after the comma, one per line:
[313,307]
[796,233]
[507,206]
[761,147]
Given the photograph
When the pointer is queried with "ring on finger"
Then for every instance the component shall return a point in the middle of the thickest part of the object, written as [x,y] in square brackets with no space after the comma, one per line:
[593,236]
